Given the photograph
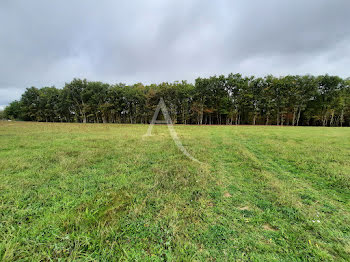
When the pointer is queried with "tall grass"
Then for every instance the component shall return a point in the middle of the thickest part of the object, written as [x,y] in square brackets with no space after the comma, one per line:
[101,192]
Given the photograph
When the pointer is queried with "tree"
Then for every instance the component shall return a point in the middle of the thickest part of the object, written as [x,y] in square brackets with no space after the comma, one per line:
[13,110]
[233,99]
[30,104]
[77,96]
[329,87]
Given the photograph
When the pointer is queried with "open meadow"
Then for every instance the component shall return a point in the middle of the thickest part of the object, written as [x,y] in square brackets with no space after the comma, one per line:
[101,192]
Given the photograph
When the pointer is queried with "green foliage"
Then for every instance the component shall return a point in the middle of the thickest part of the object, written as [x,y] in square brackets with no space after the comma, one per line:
[13,111]
[290,100]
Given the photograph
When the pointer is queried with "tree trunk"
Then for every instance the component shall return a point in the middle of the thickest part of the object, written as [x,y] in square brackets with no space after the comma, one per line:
[342,118]
[294,115]
[282,119]
[267,118]
[298,117]
[183,115]
[201,115]
[332,118]
[324,120]
[104,119]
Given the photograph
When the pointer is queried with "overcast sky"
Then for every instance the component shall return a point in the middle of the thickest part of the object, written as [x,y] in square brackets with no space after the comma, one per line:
[44,43]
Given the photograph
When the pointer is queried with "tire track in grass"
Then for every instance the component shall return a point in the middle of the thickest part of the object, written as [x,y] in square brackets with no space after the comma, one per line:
[284,170]
[333,234]
[245,227]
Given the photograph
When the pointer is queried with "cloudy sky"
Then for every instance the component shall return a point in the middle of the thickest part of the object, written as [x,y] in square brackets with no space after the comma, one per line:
[44,43]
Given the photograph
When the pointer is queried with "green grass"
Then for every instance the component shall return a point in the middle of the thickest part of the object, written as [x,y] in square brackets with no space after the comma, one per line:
[99,192]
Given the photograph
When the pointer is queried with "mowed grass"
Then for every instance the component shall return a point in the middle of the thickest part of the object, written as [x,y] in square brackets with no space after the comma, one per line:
[100,192]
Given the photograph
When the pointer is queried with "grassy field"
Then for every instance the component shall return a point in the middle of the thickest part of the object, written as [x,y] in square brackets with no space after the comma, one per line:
[100,192]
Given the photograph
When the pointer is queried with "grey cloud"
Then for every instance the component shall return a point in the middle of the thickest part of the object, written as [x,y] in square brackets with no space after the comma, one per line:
[296,28]
[46,43]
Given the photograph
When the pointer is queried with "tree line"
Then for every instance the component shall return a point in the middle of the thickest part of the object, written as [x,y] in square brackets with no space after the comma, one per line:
[224,100]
